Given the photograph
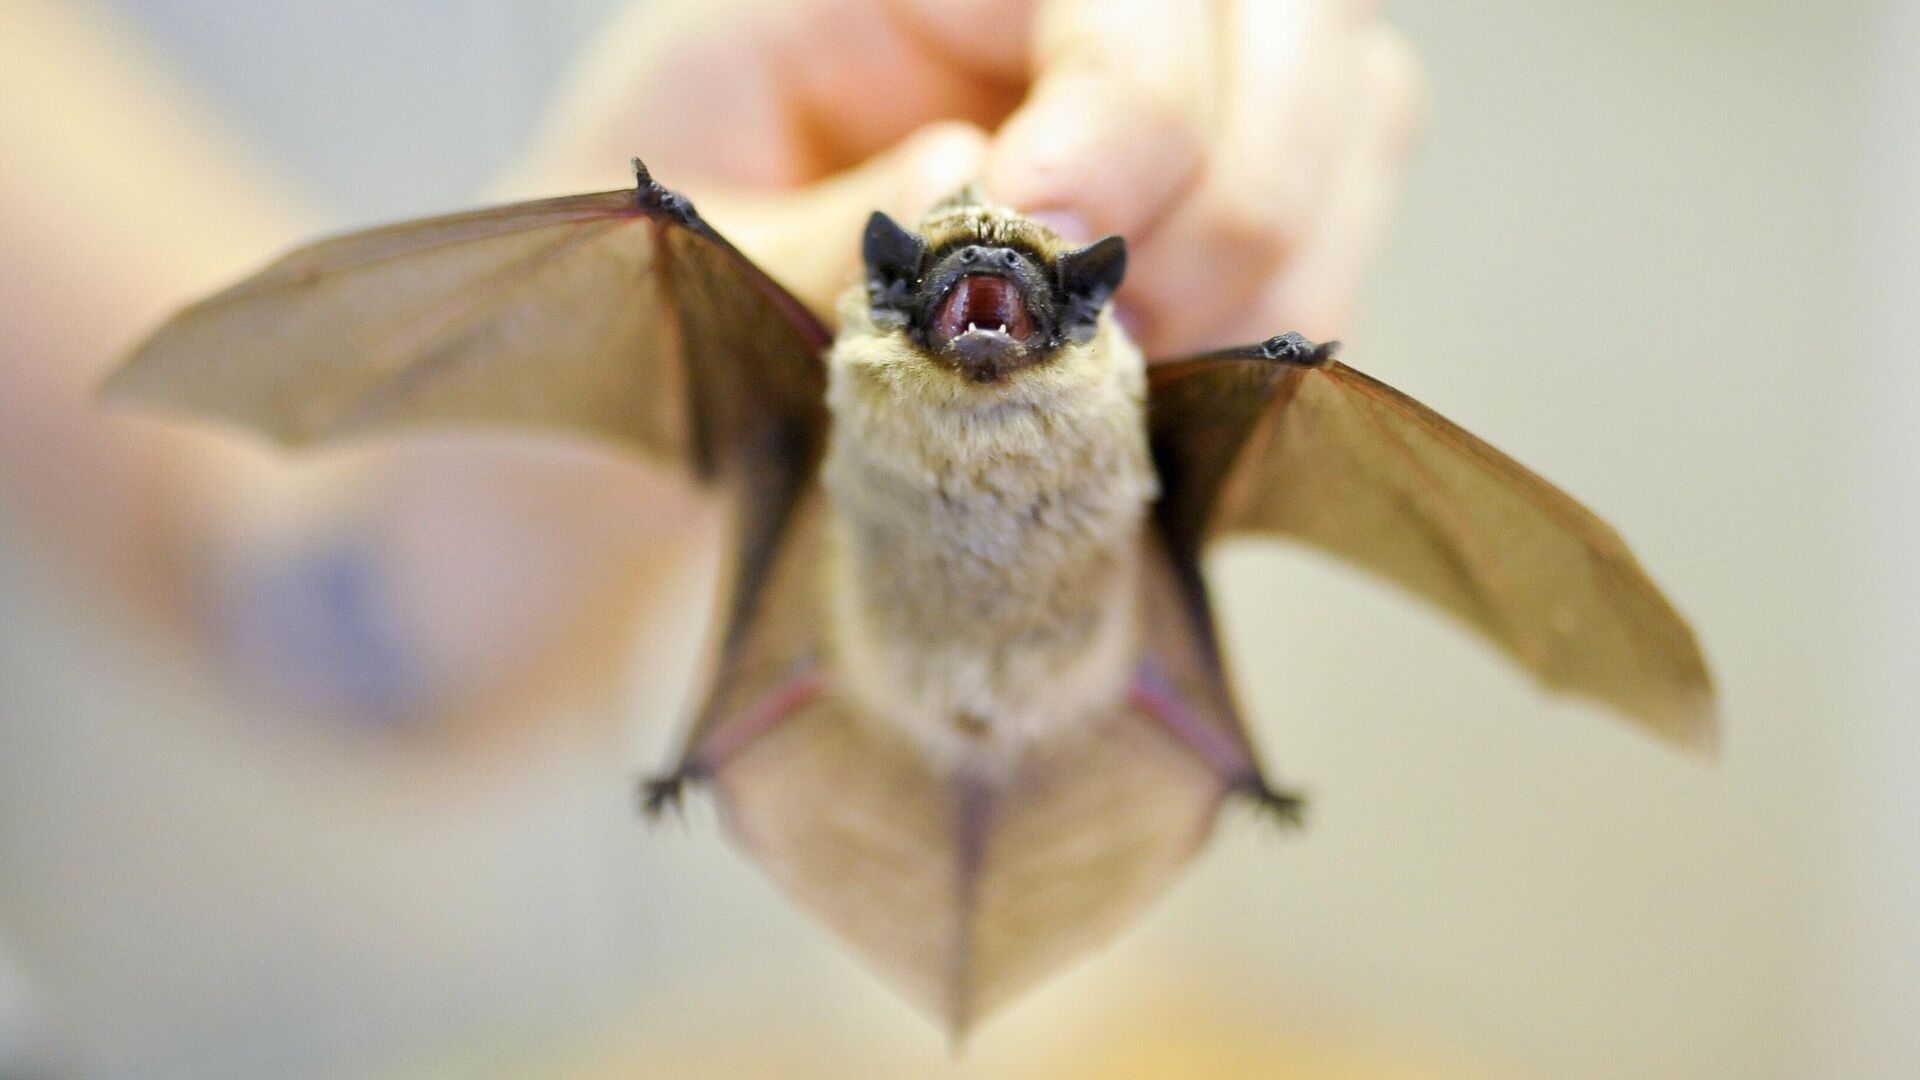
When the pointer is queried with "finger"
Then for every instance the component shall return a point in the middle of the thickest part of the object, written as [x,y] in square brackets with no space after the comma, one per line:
[745,93]
[1211,257]
[1290,92]
[659,80]
[1289,76]
[1116,126]
[1317,291]
[809,238]
[993,39]
[865,73]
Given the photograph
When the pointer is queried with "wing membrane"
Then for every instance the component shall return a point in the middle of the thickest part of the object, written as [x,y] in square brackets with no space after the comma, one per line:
[1328,456]
[620,315]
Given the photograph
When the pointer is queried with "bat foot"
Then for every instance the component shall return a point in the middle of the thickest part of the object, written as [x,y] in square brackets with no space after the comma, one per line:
[1292,348]
[1289,808]
[659,794]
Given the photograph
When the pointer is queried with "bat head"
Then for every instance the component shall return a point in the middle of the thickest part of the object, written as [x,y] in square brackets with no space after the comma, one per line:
[985,290]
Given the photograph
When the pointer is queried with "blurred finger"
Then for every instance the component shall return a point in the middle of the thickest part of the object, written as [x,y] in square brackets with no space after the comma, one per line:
[747,93]
[1291,95]
[865,73]
[990,38]
[1116,127]
[1316,292]
[1211,257]
[810,237]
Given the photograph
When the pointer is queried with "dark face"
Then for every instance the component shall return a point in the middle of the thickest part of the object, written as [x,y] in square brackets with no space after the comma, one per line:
[987,309]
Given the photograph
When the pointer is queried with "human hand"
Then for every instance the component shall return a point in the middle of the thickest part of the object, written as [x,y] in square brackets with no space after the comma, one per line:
[1249,151]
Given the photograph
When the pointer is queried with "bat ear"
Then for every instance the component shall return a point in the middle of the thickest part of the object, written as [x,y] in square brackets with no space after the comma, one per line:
[1088,278]
[893,254]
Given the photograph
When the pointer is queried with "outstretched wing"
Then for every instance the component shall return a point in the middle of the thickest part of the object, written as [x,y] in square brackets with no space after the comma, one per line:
[1278,438]
[620,315]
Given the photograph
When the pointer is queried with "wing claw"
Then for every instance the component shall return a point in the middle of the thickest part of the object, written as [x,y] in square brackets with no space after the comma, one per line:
[659,794]
[648,194]
[1294,348]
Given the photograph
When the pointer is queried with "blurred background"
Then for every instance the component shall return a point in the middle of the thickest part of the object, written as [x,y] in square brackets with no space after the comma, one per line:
[1666,254]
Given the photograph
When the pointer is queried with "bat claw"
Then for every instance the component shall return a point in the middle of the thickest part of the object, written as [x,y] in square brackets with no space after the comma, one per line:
[1289,808]
[659,794]
[650,195]
[1292,348]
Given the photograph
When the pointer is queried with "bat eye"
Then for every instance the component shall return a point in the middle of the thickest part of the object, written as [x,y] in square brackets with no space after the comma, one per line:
[983,303]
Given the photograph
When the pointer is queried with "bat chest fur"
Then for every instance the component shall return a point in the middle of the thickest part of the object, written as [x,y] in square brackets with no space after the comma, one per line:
[982,583]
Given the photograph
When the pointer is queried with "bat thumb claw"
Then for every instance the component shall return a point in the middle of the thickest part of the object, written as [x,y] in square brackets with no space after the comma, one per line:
[1292,348]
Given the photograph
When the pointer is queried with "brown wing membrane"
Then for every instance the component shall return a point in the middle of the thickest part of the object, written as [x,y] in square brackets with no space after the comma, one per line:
[961,889]
[621,315]
[1250,442]
[965,891]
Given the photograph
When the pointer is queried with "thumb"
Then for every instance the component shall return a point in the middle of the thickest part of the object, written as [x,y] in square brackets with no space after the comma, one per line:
[1115,126]
[809,238]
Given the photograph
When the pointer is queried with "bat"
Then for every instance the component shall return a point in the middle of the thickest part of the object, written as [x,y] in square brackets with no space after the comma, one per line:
[967,703]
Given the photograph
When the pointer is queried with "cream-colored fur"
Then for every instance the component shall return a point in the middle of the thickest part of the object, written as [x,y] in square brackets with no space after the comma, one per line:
[984,539]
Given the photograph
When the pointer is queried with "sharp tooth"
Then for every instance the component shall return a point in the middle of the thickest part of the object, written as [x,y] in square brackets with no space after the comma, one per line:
[1001,328]
[971,328]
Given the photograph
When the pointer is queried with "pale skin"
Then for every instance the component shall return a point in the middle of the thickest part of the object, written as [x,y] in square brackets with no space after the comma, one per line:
[1249,153]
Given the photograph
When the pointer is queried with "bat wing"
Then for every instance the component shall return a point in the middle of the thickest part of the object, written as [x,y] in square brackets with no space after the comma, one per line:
[620,315]
[963,891]
[1280,439]
[960,889]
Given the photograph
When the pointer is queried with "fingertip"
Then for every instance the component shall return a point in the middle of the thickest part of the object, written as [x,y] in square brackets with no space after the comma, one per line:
[1403,85]
[989,38]
[809,237]
[1094,149]
[934,162]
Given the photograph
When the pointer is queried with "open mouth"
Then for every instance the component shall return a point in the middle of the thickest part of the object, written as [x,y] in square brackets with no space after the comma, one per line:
[984,308]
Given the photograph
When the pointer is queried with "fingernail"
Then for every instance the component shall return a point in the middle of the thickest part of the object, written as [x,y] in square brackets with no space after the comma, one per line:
[1042,153]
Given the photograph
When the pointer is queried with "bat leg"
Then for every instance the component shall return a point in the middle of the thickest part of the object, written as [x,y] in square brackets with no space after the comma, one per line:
[1225,752]
[725,738]
[667,791]
[1284,805]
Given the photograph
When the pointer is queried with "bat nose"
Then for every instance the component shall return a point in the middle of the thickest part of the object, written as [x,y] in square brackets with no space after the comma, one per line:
[982,255]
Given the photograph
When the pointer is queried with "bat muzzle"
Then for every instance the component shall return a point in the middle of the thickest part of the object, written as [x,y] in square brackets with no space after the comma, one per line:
[990,312]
